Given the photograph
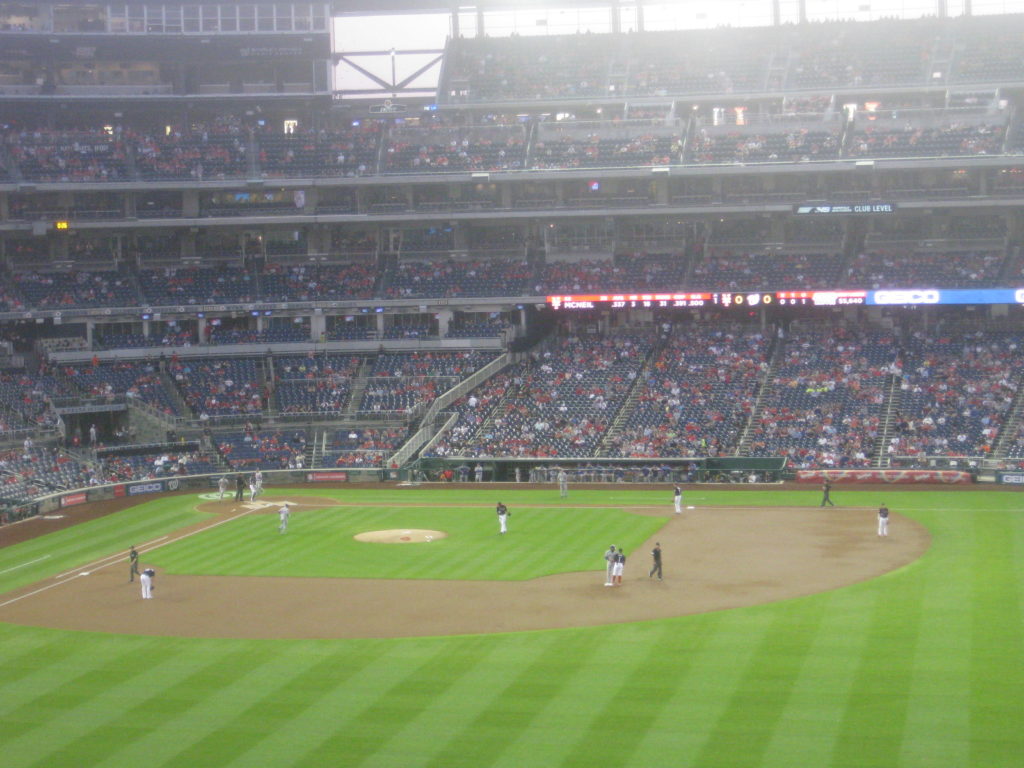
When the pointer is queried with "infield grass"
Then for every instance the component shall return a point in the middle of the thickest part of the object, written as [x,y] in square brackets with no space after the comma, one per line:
[918,668]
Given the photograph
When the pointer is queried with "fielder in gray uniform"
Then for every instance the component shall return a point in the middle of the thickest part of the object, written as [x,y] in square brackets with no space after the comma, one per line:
[563,483]
[609,563]
[283,514]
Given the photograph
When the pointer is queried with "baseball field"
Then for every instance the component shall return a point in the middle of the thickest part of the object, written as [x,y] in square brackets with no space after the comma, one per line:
[783,634]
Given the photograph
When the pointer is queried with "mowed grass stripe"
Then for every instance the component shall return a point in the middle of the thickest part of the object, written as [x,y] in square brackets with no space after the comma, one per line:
[257,701]
[937,730]
[178,704]
[23,655]
[369,730]
[606,717]
[880,698]
[747,724]
[636,704]
[706,684]
[512,695]
[93,540]
[997,641]
[303,709]
[75,706]
[806,731]
[420,734]
[319,734]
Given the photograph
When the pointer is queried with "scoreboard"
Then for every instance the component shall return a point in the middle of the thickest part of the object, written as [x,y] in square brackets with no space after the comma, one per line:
[705,299]
[905,297]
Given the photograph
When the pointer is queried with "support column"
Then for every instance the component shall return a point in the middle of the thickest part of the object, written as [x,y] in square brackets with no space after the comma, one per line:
[202,330]
[318,328]
[444,319]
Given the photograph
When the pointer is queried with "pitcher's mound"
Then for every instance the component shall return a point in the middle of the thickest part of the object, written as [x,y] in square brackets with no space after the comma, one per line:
[401,536]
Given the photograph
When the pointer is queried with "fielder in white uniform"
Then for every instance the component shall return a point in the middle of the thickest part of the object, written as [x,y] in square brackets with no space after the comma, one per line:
[259,481]
[618,568]
[563,483]
[677,499]
[883,520]
[609,565]
[222,486]
[503,515]
[146,577]
[283,513]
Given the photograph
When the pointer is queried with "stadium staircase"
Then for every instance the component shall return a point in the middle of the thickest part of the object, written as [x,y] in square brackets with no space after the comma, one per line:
[778,68]
[175,393]
[629,405]
[267,385]
[1008,432]
[764,386]
[359,382]
[6,161]
[316,448]
[880,456]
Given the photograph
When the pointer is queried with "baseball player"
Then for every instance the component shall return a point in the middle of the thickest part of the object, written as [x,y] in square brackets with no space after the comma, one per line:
[826,489]
[883,520]
[619,567]
[283,514]
[222,486]
[146,577]
[677,499]
[133,563]
[258,477]
[253,490]
[609,564]
[503,515]
[656,565]
[563,483]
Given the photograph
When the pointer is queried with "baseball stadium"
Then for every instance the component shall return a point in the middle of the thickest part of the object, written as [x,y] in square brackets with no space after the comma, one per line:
[512,383]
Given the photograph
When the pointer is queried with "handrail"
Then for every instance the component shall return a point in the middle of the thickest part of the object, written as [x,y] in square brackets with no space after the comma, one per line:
[415,443]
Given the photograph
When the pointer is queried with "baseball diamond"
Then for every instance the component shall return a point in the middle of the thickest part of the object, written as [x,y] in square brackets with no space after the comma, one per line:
[604,384]
[676,665]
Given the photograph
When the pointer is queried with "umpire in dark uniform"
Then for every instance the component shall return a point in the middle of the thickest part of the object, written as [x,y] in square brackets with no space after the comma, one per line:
[826,490]
[133,563]
[656,565]
[239,487]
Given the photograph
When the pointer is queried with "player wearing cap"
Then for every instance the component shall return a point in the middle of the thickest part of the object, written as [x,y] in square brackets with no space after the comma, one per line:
[503,515]
[146,577]
[619,567]
[609,564]
[283,514]
[222,486]
[883,520]
[677,499]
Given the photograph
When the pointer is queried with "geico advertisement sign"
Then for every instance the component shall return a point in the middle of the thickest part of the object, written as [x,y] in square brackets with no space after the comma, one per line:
[908,297]
[1012,479]
[135,490]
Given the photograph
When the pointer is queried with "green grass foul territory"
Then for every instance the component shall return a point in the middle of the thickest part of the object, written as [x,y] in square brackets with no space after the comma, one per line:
[920,668]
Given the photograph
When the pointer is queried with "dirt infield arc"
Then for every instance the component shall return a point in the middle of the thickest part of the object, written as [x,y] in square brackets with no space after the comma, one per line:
[715,558]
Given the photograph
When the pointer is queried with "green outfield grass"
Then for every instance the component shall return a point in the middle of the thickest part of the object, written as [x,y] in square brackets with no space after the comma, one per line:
[921,667]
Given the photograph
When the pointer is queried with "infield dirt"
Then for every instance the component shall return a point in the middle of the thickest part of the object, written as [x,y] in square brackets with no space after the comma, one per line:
[714,558]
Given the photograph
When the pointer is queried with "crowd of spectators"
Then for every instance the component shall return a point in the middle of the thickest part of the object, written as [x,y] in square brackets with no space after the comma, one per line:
[902,267]
[823,406]
[254,449]
[957,387]
[227,387]
[696,394]
[361,447]
[565,398]
[729,269]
